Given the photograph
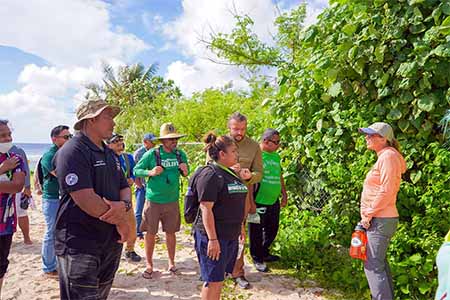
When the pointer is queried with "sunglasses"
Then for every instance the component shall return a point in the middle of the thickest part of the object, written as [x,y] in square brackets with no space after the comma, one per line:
[275,142]
[117,141]
[66,136]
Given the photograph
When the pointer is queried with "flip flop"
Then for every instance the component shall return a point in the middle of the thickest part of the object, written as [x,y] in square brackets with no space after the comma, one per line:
[147,275]
[174,271]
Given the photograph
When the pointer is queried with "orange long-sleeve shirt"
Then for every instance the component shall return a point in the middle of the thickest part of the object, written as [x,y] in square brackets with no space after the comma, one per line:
[379,195]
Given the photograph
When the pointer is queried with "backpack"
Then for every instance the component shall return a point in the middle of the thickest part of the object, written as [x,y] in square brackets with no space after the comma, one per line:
[40,173]
[191,202]
[158,157]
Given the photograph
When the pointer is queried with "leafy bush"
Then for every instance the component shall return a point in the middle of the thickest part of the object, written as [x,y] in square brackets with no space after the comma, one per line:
[367,61]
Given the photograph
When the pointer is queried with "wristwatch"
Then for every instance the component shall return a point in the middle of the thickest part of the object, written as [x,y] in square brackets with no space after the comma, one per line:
[127,205]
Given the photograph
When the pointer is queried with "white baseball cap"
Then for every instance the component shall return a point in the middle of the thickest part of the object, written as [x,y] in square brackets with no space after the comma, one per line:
[380,128]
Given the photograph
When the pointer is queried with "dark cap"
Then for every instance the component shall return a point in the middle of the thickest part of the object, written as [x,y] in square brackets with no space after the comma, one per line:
[268,133]
[114,137]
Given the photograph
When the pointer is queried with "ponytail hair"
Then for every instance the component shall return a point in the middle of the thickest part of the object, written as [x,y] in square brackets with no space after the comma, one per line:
[394,144]
[215,144]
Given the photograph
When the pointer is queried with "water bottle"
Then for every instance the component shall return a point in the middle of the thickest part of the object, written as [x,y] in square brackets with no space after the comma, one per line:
[358,244]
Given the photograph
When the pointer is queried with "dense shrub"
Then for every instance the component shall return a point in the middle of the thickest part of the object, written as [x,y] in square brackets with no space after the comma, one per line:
[367,61]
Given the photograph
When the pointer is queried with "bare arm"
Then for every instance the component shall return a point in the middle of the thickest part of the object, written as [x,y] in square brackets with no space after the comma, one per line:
[90,202]
[213,251]
[283,192]
[15,185]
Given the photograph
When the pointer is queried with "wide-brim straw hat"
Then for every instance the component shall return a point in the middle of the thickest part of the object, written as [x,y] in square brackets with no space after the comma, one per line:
[167,131]
[91,108]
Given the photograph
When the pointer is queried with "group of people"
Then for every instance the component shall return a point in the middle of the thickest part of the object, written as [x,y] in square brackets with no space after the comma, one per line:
[87,181]
[86,184]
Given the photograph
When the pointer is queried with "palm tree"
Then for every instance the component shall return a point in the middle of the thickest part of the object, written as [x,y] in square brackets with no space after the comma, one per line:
[116,87]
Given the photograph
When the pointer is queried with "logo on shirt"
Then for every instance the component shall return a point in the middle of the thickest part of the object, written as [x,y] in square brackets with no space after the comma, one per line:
[71,179]
[99,163]
[236,188]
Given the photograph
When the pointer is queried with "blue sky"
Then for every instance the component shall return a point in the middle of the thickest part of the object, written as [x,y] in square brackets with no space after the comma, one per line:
[49,50]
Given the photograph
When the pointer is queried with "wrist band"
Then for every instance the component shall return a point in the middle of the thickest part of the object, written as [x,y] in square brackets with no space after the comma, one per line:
[213,239]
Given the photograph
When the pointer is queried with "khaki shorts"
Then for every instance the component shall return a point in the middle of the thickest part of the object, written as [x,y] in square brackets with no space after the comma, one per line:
[167,213]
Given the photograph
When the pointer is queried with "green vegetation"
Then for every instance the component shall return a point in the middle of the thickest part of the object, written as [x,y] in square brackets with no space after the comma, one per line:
[363,61]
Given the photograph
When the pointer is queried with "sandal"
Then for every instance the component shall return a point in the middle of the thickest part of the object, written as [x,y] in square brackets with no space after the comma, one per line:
[147,275]
[174,271]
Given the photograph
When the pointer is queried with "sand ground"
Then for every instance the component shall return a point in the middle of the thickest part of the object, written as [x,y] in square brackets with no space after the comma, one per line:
[25,279]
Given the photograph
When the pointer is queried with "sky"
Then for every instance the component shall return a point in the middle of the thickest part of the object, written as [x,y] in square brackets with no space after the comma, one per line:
[51,49]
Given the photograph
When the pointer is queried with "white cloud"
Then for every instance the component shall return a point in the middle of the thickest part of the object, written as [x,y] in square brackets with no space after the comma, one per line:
[47,99]
[74,36]
[201,18]
[66,32]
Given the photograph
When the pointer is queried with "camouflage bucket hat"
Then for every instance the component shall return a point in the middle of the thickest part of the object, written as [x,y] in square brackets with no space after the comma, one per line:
[91,108]
[167,131]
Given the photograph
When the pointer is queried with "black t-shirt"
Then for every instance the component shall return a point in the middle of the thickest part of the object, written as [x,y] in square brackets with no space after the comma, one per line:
[80,164]
[228,194]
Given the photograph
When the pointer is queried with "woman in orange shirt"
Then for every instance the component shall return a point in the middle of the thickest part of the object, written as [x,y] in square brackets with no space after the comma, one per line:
[378,210]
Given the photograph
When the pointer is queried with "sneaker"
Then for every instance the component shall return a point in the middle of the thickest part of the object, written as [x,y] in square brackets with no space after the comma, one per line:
[242,282]
[271,258]
[133,256]
[261,267]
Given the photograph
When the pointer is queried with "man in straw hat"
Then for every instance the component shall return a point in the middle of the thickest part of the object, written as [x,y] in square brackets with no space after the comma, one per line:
[91,221]
[163,165]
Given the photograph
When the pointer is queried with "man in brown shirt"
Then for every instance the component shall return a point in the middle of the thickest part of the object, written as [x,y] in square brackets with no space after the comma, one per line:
[249,158]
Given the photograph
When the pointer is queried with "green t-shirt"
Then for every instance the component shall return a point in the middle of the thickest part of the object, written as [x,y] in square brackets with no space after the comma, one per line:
[50,186]
[270,185]
[165,187]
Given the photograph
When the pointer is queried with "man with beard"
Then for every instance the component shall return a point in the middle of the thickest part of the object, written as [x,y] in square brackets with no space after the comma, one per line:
[249,158]
[163,165]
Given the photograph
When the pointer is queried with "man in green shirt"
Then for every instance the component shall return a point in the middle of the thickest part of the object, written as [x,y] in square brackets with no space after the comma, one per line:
[267,193]
[163,165]
[50,198]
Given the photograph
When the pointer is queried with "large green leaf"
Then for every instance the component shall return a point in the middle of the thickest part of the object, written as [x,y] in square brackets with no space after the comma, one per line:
[426,102]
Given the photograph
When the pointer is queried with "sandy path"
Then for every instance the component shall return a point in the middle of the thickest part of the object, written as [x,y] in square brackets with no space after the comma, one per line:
[25,280]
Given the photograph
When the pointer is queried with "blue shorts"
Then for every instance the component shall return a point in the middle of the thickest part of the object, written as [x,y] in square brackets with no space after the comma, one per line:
[214,270]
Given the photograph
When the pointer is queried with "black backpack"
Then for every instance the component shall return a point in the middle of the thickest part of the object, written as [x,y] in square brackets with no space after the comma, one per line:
[191,202]
[158,156]
[40,174]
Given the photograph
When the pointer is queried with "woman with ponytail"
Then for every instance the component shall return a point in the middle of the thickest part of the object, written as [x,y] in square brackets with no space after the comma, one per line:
[378,206]
[221,194]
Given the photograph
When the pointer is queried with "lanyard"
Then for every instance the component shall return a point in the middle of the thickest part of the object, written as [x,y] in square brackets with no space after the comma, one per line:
[227,170]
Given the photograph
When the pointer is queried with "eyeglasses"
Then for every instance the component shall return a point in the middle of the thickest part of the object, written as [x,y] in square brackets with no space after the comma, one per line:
[275,142]
[66,136]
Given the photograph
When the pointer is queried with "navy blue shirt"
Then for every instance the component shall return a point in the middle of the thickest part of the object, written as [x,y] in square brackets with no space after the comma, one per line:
[80,164]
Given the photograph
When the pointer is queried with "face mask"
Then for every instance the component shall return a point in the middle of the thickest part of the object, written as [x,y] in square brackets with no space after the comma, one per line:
[4,147]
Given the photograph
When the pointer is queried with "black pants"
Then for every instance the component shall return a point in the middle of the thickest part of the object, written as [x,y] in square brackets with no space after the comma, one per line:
[88,276]
[5,246]
[262,235]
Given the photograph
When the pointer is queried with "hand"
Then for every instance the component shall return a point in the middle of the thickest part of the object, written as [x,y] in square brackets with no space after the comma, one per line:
[130,182]
[116,213]
[245,174]
[236,168]
[156,171]
[138,183]
[124,230]
[184,169]
[27,192]
[283,201]
[213,249]
[365,222]
[9,164]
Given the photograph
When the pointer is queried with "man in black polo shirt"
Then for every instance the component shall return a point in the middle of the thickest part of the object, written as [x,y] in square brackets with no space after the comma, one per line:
[91,222]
